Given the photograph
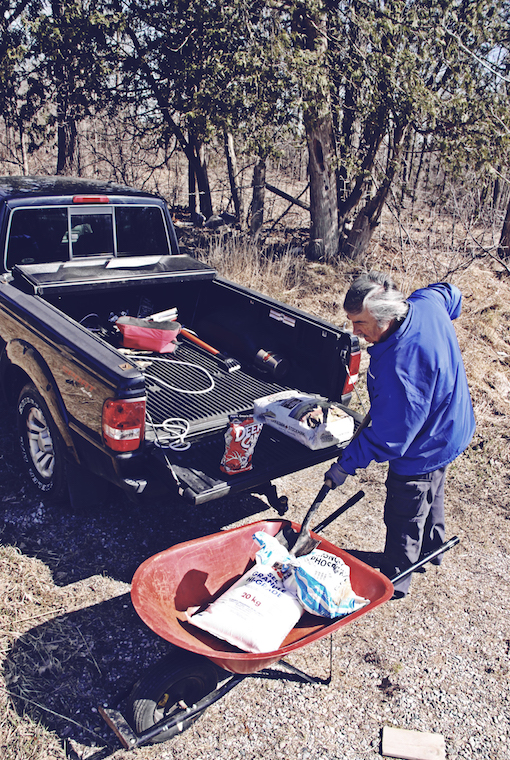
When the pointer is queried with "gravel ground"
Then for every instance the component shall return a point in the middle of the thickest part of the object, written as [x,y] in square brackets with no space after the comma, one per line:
[437,661]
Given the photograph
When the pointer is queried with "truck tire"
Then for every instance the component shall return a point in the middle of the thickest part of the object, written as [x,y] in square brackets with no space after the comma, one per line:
[181,677]
[42,448]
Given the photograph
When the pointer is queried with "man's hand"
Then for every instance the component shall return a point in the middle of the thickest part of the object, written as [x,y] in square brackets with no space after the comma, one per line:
[335,476]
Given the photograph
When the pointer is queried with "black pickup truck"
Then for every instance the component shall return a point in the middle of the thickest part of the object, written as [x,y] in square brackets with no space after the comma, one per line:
[77,255]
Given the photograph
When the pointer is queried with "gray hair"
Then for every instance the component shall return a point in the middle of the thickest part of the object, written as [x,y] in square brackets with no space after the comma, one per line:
[378,293]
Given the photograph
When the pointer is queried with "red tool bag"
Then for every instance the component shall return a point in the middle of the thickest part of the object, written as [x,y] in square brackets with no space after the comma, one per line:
[147,335]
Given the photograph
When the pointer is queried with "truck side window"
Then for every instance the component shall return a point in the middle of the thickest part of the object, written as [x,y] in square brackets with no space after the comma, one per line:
[35,235]
[141,231]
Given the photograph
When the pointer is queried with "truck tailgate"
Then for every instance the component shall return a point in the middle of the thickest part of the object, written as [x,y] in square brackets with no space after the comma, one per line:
[201,479]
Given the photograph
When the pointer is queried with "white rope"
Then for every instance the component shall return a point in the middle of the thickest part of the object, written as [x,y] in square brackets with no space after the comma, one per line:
[171,433]
[140,358]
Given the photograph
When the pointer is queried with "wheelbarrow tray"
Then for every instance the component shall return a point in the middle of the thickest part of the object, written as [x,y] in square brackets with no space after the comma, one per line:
[194,573]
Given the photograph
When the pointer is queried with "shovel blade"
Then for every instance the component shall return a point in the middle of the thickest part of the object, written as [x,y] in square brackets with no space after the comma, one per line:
[304,545]
[297,544]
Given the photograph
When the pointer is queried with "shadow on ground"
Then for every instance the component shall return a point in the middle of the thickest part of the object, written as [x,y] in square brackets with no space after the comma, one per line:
[60,671]
[108,535]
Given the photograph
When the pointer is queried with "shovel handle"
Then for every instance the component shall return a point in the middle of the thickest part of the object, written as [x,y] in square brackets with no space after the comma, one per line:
[348,504]
[316,504]
[326,488]
[199,342]
[304,534]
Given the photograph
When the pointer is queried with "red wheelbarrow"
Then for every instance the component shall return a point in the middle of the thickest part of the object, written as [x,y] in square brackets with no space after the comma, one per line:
[174,693]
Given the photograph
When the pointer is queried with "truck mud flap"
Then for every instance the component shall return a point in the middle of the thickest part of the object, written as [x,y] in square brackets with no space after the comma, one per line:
[200,479]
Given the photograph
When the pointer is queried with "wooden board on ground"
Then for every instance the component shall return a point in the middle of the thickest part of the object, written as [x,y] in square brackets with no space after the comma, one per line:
[412,745]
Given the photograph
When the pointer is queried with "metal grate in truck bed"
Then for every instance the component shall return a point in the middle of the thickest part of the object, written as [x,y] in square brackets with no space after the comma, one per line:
[179,387]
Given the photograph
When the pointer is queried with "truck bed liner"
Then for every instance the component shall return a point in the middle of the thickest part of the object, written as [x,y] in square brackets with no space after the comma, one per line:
[198,468]
[205,410]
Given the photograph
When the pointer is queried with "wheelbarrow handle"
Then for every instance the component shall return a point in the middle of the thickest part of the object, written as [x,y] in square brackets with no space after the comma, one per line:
[423,561]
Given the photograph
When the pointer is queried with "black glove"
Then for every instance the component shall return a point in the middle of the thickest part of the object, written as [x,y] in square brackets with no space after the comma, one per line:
[336,475]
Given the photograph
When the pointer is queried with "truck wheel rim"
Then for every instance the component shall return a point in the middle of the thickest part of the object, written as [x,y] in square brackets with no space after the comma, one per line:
[40,442]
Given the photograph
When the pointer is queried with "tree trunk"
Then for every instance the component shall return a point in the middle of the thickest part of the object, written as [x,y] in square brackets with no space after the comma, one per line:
[324,232]
[407,166]
[504,241]
[67,134]
[257,203]
[193,205]
[496,191]
[232,176]
[192,146]
[368,218]
[312,30]
[424,148]
[198,167]
[23,151]
[67,131]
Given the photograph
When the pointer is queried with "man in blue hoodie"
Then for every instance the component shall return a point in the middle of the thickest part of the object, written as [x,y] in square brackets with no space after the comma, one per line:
[421,411]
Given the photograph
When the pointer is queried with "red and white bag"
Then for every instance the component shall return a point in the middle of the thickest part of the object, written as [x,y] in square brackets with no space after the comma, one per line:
[147,335]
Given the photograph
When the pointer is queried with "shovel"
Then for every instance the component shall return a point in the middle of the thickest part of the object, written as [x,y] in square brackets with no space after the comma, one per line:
[304,542]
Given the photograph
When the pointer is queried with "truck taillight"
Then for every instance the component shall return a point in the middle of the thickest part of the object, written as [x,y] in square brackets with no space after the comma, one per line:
[352,371]
[123,423]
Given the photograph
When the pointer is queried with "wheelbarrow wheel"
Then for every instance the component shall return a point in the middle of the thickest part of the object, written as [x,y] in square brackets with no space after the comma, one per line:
[181,679]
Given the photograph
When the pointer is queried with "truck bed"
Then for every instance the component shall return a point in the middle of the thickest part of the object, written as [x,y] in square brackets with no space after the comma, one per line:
[198,468]
[190,383]
[231,392]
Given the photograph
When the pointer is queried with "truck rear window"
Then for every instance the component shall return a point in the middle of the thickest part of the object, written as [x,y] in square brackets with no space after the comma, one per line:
[35,236]
[43,235]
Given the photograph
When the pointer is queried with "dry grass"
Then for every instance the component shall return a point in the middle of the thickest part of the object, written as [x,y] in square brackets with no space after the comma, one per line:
[68,636]
[282,271]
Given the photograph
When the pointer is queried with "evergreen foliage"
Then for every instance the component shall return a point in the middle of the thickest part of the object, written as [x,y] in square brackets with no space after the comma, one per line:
[378,90]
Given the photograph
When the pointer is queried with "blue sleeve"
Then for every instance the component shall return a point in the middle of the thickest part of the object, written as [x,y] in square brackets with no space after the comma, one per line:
[450,295]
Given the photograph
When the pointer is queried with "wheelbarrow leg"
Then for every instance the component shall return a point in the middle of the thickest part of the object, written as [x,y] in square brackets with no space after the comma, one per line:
[119,725]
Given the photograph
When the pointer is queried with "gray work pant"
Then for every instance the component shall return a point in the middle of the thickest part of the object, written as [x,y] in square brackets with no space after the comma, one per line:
[414,518]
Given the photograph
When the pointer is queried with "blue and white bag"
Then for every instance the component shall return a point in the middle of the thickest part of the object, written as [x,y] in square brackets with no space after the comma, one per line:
[319,580]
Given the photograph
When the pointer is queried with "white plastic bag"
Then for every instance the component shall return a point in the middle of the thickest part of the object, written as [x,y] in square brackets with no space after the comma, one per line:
[308,419]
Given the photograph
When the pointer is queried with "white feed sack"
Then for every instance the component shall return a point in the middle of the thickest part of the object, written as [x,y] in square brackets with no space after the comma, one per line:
[255,614]
[310,420]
